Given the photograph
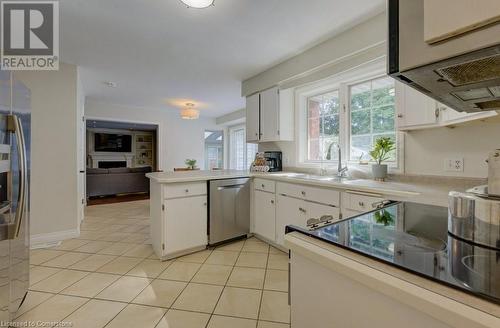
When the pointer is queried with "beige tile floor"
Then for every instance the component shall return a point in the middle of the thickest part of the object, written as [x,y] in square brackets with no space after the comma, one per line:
[110,277]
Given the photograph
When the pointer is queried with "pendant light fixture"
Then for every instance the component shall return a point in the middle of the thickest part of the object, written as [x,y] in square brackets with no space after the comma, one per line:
[189,112]
[199,4]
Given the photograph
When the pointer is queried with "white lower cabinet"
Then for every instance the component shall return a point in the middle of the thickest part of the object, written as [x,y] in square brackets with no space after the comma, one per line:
[294,211]
[288,211]
[265,214]
[186,224]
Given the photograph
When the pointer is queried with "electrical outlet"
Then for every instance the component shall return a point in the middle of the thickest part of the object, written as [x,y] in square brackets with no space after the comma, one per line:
[454,165]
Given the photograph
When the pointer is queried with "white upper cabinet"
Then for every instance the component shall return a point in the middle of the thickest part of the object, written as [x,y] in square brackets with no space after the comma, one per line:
[252,118]
[444,19]
[270,116]
[415,110]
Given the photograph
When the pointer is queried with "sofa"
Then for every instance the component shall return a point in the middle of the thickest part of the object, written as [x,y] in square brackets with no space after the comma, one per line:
[122,180]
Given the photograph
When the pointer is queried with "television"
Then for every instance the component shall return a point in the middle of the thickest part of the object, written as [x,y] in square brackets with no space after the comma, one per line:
[111,142]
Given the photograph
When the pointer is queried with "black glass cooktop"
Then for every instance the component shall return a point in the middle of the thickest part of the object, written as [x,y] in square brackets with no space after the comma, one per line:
[415,237]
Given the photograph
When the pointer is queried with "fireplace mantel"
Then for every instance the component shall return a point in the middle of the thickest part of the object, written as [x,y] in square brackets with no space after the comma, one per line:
[95,158]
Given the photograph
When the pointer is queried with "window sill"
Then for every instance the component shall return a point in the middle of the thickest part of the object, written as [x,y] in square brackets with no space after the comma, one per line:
[392,169]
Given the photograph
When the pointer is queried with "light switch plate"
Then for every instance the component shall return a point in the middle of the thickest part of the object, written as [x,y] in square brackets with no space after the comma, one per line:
[454,164]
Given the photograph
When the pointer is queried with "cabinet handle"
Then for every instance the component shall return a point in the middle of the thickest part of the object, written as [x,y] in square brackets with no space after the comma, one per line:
[302,210]
[187,190]
[303,193]
[204,204]
[263,186]
[361,204]
[272,201]
[256,134]
[400,115]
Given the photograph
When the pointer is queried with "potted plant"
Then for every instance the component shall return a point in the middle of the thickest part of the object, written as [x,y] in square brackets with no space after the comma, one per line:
[380,153]
[191,164]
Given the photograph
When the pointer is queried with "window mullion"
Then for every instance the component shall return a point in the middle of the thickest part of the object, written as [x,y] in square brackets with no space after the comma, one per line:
[344,133]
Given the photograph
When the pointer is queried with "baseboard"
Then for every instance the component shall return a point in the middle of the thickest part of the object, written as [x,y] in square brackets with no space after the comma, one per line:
[51,239]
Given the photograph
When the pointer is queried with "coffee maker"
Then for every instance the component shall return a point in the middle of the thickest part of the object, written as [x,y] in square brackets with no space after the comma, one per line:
[274,161]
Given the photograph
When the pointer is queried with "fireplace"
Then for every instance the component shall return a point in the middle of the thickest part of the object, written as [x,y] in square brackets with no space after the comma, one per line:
[111,164]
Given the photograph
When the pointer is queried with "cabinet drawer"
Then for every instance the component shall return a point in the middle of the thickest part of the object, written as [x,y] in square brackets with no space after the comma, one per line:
[319,195]
[291,190]
[323,196]
[265,185]
[176,190]
[360,202]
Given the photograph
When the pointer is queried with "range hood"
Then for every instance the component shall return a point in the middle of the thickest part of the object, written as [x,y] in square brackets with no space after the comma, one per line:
[460,70]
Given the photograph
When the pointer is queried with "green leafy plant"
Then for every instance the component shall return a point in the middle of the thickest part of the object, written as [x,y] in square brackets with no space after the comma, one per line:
[191,163]
[384,217]
[382,149]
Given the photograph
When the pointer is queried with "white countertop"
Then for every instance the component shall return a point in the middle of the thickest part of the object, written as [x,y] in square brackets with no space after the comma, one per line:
[423,190]
[192,176]
[367,185]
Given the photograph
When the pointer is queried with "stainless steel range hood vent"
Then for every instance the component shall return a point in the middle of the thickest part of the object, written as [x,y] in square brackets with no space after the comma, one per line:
[479,70]
[461,71]
[468,83]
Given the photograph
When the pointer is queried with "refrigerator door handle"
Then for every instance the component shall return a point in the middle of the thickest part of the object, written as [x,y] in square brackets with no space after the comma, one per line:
[14,125]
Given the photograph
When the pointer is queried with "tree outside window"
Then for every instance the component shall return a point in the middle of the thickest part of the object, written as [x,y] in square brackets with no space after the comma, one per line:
[371,116]
[323,126]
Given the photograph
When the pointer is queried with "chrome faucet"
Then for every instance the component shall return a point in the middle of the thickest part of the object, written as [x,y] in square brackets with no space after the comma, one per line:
[341,171]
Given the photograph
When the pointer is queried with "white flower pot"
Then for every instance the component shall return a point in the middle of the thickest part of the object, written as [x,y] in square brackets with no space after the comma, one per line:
[379,171]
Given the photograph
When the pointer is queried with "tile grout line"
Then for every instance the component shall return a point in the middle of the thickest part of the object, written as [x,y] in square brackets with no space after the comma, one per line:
[156,277]
[187,284]
[224,287]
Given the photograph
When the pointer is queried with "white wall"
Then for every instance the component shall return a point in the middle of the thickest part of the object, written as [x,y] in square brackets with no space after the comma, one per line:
[178,140]
[54,167]
[357,45]
[426,150]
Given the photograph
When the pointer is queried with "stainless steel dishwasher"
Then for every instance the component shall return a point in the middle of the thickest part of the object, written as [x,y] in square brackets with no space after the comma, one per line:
[229,209]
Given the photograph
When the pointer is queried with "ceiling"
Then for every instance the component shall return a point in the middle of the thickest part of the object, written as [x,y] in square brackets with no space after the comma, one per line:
[161,54]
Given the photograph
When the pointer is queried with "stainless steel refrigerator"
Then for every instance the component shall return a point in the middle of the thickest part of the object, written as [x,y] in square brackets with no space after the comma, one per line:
[15,124]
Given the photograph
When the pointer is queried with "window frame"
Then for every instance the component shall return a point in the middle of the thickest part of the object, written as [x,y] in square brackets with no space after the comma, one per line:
[341,82]
[230,133]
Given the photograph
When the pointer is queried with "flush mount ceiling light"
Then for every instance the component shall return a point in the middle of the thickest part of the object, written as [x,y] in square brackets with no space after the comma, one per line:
[199,4]
[189,112]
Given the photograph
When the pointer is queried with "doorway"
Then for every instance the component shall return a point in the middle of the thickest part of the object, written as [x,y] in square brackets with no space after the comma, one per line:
[118,157]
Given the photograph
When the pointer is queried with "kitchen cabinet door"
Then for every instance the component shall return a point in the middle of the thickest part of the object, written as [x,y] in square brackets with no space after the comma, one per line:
[269,115]
[265,214]
[314,210]
[444,19]
[186,224]
[288,211]
[414,110]
[252,118]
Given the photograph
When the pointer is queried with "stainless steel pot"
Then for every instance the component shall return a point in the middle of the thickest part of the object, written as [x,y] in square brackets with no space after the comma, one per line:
[474,218]
[475,266]
[494,173]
